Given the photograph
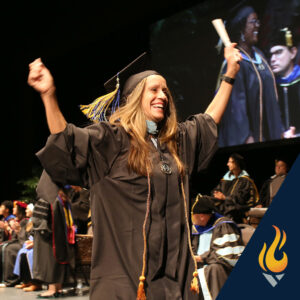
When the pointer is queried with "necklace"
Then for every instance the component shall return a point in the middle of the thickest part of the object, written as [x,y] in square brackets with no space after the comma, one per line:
[164,166]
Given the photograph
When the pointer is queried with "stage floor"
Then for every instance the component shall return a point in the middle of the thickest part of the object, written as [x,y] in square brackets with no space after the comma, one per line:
[11,293]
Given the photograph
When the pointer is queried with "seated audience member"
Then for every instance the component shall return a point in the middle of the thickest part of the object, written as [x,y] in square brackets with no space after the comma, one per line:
[236,193]
[24,260]
[6,214]
[271,186]
[283,51]
[9,249]
[217,245]
[54,238]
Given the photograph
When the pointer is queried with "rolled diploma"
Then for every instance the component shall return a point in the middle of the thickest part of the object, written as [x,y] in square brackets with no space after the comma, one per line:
[220,28]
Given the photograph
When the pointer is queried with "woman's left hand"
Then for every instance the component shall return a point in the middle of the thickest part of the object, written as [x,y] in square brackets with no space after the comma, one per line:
[233,58]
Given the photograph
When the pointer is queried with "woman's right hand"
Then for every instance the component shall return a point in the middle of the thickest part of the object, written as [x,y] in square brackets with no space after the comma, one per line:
[40,78]
[233,58]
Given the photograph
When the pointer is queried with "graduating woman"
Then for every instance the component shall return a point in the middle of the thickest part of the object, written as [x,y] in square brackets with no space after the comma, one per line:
[137,167]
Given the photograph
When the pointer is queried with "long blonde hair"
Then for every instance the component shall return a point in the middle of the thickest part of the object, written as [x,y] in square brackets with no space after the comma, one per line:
[132,118]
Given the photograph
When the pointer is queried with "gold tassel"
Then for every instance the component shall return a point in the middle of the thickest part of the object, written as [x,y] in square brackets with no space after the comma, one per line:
[141,295]
[288,37]
[96,111]
[195,283]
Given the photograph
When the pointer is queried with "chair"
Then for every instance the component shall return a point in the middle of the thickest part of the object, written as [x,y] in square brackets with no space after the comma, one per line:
[255,215]
[83,256]
[247,232]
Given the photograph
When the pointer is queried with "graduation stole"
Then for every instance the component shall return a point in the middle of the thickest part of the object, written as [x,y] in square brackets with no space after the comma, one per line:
[70,228]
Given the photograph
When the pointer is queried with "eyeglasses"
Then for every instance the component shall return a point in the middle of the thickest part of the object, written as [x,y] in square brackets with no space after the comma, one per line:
[254,22]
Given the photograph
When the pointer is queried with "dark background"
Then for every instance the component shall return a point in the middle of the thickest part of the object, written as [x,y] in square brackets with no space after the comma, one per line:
[84,44]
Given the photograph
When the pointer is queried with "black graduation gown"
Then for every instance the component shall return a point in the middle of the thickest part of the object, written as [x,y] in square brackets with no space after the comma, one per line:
[225,248]
[80,202]
[240,195]
[51,264]
[290,93]
[243,116]
[96,157]
[269,189]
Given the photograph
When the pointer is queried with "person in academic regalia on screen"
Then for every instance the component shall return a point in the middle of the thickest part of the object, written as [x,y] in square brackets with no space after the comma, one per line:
[253,113]
[283,51]
[137,167]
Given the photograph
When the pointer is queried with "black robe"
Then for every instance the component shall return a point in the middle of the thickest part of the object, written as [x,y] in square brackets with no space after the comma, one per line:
[240,195]
[269,189]
[289,92]
[223,247]
[96,157]
[80,202]
[243,116]
[53,262]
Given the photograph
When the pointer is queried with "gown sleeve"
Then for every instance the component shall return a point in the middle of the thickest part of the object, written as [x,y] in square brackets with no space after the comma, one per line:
[226,246]
[198,141]
[76,154]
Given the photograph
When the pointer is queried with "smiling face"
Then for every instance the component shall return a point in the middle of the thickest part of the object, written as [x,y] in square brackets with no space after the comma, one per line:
[251,29]
[155,98]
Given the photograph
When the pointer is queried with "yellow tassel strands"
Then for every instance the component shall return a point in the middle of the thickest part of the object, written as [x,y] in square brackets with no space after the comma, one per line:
[141,295]
[98,109]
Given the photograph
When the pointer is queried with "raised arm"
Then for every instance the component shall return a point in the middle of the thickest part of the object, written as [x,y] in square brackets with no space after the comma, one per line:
[218,105]
[42,81]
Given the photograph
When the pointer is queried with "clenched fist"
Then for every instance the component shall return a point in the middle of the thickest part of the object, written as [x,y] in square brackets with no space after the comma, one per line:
[40,78]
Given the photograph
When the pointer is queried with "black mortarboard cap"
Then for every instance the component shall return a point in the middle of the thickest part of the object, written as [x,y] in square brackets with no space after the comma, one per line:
[118,88]
[283,37]
[139,64]
[131,75]
[203,205]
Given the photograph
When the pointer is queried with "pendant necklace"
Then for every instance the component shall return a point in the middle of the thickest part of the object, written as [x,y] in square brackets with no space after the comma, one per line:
[164,167]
